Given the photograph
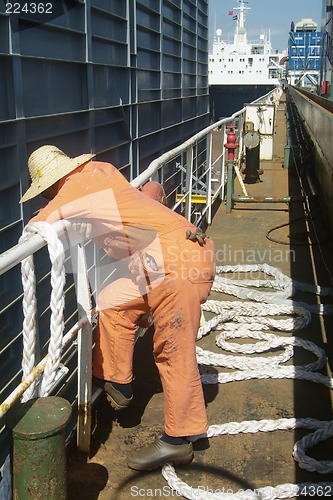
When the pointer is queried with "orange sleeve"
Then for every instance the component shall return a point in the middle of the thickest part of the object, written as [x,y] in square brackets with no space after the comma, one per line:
[65,205]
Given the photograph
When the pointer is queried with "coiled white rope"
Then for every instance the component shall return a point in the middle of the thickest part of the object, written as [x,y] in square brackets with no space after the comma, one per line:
[57,302]
[250,320]
[284,287]
[29,305]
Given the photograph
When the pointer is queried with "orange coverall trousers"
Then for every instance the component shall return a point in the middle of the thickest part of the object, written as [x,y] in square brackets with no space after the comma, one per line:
[175,305]
[141,232]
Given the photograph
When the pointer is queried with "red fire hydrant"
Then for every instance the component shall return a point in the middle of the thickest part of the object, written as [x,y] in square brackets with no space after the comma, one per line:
[231,143]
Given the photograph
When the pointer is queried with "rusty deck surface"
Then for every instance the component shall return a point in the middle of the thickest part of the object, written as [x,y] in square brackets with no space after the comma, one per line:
[230,463]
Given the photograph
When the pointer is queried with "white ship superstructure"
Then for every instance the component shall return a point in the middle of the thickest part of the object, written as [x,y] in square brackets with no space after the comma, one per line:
[242,62]
[240,66]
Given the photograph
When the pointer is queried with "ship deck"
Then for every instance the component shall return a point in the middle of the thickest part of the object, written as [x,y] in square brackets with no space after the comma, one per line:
[230,463]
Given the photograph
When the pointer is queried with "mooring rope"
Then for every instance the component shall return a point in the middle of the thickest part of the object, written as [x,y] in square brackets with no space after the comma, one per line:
[283,286]
[29,305]
[249,320]
[57,303]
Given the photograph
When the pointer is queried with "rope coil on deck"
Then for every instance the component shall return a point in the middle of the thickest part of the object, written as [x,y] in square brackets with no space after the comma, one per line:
[284,287]
[250,320]
[57,303]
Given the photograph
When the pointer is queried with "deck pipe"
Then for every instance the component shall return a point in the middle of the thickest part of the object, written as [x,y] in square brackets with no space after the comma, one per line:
[294,119]
[231,197]
[268,199]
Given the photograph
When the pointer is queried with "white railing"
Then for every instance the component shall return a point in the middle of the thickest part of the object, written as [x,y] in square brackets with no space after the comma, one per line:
[200,171]
[194,175]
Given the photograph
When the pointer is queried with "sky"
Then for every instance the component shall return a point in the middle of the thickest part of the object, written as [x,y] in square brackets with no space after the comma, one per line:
[265,15]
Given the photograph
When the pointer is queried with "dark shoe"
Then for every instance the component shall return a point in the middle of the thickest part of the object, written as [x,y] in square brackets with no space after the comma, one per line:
[116,398]
[160,453]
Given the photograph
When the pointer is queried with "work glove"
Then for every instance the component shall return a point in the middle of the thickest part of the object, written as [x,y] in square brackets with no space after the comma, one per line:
[198,235]
[83,228]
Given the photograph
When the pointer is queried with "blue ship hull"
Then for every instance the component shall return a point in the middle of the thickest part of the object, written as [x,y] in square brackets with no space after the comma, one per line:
[227,99]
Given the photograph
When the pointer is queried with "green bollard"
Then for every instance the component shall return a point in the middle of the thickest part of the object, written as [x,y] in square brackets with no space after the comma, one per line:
[39,458]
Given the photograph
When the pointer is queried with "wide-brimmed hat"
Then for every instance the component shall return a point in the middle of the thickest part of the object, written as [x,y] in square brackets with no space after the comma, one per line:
[48,165]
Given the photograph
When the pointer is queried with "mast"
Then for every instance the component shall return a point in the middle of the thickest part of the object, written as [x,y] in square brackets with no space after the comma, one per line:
[240,37]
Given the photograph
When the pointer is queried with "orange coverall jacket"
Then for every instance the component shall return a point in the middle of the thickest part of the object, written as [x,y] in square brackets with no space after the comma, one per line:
[165,274]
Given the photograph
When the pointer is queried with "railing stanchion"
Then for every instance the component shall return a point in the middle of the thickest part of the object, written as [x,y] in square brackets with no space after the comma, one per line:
[84,348]
[188,182]
[209,178]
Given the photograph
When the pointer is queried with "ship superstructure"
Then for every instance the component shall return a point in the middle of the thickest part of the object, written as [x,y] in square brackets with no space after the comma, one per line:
[304,48]
[241,67]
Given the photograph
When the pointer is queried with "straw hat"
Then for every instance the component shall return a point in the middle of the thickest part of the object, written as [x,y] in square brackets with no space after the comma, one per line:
[48,165]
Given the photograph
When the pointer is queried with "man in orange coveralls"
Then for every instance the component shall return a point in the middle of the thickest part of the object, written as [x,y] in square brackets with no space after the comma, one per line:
[169,273]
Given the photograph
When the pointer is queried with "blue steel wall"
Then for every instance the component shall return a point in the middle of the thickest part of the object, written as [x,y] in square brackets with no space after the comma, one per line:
[123,78]
[304,50]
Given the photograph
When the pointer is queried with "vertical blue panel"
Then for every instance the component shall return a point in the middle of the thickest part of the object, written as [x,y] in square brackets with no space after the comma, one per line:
[124,79]
[7,98]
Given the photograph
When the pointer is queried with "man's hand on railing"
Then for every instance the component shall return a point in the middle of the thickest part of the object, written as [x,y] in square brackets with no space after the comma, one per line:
[198,235]
[83,228]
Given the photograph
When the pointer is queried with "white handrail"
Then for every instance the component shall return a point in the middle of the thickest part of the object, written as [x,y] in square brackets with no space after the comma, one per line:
[155,165]
[16,254]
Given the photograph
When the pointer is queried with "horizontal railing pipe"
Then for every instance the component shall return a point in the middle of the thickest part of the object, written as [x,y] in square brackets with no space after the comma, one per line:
[156,164]
[21,251]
